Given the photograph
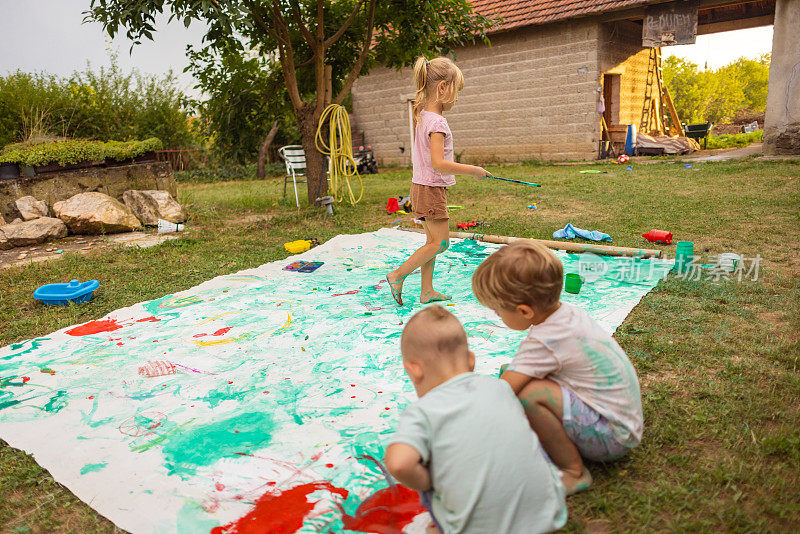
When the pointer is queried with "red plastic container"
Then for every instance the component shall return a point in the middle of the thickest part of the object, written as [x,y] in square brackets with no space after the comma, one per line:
[659,236]
[392,205]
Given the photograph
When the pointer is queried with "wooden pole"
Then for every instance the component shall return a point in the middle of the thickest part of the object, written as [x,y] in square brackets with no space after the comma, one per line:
[602,250]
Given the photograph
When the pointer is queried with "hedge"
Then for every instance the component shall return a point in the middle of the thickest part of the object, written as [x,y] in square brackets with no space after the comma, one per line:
[76,151]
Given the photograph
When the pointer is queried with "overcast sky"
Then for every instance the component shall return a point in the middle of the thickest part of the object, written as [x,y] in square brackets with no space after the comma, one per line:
[49,35]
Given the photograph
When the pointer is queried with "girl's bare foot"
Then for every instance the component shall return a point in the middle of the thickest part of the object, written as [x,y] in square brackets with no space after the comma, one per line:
[396,286]
[575,484]
[432,296]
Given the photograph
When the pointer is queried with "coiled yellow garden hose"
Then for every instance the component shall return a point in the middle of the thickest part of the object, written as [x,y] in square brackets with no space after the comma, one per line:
[340,151]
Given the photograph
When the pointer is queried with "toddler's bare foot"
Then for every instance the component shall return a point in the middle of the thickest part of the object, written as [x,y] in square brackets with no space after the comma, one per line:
[575,484]
[396,286]
[432,296]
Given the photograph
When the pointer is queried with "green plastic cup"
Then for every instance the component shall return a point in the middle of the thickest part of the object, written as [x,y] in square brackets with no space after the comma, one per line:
[572,283]
[684,256]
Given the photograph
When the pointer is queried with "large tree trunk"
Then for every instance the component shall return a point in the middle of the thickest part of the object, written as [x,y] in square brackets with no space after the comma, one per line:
[316,165]
[261,171]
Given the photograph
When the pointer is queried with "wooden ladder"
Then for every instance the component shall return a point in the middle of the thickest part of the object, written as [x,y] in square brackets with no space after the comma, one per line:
[658,110]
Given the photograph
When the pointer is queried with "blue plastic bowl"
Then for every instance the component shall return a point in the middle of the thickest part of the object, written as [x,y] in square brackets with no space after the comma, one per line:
[63,294]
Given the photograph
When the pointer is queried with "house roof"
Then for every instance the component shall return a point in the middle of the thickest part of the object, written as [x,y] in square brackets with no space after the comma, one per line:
[519,13]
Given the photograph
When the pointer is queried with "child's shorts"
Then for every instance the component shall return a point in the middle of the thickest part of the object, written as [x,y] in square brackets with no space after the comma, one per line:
[589,431]
[429,203]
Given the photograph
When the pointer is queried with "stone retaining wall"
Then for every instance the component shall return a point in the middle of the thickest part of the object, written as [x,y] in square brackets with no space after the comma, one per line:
[113,181]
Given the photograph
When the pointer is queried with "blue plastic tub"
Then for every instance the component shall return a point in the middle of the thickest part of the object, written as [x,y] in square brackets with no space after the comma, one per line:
[63,294]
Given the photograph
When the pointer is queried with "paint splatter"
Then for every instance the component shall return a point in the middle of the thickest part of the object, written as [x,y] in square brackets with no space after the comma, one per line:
[47,371]
[95,327]
[222,331]
[282,512]
[91,468]
[386,511]
[148,320]
[351,292]
[205,444]
[157,368]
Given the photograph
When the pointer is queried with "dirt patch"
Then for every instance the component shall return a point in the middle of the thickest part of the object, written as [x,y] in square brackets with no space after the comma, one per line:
[254,218]
[82,244]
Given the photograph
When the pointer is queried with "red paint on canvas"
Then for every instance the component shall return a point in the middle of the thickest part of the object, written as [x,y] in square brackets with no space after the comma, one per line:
[95,327]
[148,320]
[221,331]
[386,511]
[281,512]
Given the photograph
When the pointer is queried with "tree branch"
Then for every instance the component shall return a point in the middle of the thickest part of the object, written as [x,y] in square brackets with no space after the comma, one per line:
[351,77]
[335,37]
[285,52]
[303,28]
[319,59]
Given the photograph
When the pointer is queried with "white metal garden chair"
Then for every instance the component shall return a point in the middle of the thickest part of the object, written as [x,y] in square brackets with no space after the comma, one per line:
[295,158]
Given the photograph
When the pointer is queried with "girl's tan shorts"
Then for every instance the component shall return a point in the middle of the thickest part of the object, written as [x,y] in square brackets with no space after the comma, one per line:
[429,203]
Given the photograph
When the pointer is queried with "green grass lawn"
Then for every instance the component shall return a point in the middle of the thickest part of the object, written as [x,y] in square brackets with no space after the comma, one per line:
[719,363]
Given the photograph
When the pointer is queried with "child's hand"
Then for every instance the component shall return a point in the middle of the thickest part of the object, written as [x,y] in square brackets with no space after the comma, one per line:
[479,173]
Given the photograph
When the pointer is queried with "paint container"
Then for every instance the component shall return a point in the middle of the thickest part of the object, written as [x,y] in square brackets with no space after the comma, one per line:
[572,283]
[166,227]
[684,256]
[728,261]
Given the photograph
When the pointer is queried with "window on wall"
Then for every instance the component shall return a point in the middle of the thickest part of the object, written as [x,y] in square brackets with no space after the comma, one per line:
[611,93]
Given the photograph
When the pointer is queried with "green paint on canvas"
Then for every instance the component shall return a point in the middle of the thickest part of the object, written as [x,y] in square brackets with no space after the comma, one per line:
[91,468]
[205,444]
[57,402]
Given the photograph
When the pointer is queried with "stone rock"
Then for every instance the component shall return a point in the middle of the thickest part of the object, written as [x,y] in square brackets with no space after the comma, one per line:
[2,220]
[30,208]
[4,244]
[20,234]
[95,213]
[150,206]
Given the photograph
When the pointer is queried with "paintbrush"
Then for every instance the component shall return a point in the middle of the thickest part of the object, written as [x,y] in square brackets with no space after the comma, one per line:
[514,181]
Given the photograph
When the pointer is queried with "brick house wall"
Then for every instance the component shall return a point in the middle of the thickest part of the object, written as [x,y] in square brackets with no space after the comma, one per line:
[531,94]
[621,53]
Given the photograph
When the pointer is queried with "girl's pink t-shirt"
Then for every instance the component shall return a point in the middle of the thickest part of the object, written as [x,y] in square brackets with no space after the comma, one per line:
[424,174]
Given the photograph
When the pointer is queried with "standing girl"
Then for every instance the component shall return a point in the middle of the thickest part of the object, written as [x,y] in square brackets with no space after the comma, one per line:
[438,82]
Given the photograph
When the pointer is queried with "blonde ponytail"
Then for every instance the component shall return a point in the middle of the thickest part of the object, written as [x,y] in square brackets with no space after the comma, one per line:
[420,79]
[428,74]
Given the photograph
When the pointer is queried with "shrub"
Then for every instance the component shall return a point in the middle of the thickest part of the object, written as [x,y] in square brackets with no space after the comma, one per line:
[71,151]
[122,150]
[11,156]
[734,140]
[228,172]
[103,104]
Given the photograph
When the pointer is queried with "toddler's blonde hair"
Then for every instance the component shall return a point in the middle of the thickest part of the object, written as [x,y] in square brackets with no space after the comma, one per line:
[432,335]
[525,272]
[428,74]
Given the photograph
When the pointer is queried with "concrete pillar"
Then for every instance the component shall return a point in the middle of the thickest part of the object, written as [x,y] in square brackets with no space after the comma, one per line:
[782,121]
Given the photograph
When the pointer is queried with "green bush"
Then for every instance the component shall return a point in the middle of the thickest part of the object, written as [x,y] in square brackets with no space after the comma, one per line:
[11,156]
[734,140]
[228,172]
[122,150]
[102,104]
[73,151]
